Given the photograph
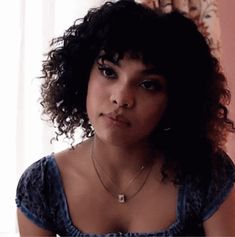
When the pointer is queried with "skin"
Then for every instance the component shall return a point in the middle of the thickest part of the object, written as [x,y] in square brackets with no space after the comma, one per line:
[129,96]
[125,102]
[222,222]
[28,228]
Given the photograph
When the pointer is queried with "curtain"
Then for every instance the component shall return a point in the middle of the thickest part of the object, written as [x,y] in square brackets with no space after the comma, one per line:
[27,27]
[203,12]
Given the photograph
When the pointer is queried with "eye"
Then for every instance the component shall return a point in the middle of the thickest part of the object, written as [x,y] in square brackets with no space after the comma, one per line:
[107,71]
[151,85]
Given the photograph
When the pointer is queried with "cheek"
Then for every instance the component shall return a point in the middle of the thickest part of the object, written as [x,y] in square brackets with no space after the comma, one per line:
[95,95]
[154,112]
[90,101]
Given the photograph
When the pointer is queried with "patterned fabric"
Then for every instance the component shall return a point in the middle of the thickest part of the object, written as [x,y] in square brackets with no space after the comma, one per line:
[203,12]
[40,196]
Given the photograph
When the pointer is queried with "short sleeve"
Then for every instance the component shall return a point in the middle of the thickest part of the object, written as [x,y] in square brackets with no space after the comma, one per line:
[32,192]
[221,184]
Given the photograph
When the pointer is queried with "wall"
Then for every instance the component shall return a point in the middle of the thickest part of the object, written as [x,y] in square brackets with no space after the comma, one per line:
[227,22]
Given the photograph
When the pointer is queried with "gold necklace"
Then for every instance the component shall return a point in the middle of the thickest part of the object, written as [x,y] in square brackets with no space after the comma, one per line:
[120,196]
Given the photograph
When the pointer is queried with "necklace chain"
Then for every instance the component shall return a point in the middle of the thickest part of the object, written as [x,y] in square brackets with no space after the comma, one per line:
[141,169]
[121,196]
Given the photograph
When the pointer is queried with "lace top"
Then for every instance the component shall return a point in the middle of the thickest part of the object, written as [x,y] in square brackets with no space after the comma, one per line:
[40,196]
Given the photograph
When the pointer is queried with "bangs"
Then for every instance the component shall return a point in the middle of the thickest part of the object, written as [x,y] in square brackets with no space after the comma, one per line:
[115,57]
[139,33]
[142,44]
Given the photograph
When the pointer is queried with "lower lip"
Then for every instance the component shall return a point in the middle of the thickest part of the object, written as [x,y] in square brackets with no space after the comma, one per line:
[115,123]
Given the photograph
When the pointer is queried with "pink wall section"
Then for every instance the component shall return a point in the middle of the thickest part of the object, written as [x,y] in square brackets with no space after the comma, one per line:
[227,23]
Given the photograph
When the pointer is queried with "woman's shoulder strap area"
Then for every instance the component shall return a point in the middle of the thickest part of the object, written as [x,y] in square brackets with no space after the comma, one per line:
[33,192]
[221,183]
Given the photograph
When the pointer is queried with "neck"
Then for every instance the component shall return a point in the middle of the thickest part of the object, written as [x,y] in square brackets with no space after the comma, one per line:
[122,161]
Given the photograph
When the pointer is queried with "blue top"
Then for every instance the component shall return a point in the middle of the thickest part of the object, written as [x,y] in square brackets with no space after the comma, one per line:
[41,197]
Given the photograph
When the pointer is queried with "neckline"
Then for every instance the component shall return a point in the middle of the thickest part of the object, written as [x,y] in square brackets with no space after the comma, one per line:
[73,228]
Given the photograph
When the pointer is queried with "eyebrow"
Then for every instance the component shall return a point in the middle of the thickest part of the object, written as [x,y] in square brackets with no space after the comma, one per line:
[152,71]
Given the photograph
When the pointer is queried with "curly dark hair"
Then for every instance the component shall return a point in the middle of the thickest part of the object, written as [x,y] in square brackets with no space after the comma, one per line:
[197,114]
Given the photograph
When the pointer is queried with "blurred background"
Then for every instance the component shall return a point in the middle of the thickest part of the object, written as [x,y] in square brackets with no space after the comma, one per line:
[27,27]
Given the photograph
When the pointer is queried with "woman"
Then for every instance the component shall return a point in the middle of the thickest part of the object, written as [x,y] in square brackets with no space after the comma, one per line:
[151,100]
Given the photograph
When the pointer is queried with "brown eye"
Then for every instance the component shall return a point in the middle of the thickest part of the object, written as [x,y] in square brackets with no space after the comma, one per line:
[151,85]
[107,71]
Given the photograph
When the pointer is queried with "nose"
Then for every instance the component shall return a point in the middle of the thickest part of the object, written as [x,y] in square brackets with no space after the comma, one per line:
[123,98]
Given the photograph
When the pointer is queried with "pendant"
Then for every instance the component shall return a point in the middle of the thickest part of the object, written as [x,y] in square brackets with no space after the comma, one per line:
[121,198]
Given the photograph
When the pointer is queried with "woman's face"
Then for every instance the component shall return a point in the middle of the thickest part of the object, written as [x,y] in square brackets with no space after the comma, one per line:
[125,100]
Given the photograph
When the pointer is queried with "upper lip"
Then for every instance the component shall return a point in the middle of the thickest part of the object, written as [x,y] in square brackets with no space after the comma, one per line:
[117,117]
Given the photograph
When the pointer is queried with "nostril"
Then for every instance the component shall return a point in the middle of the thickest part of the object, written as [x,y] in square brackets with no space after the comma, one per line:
[122,105]
[125,105]
[122,102]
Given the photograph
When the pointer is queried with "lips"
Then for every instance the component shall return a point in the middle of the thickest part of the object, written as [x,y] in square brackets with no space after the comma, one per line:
[117,119]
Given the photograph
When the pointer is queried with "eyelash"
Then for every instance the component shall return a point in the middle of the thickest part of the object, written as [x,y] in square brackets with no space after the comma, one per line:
[104,69]
[154,85]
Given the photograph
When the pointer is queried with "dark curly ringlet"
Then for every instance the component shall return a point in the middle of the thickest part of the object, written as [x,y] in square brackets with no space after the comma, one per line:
[197,90]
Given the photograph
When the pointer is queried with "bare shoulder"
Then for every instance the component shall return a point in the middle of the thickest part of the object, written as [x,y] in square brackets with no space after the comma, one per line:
[73,159]
[222,223]
[28,228]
